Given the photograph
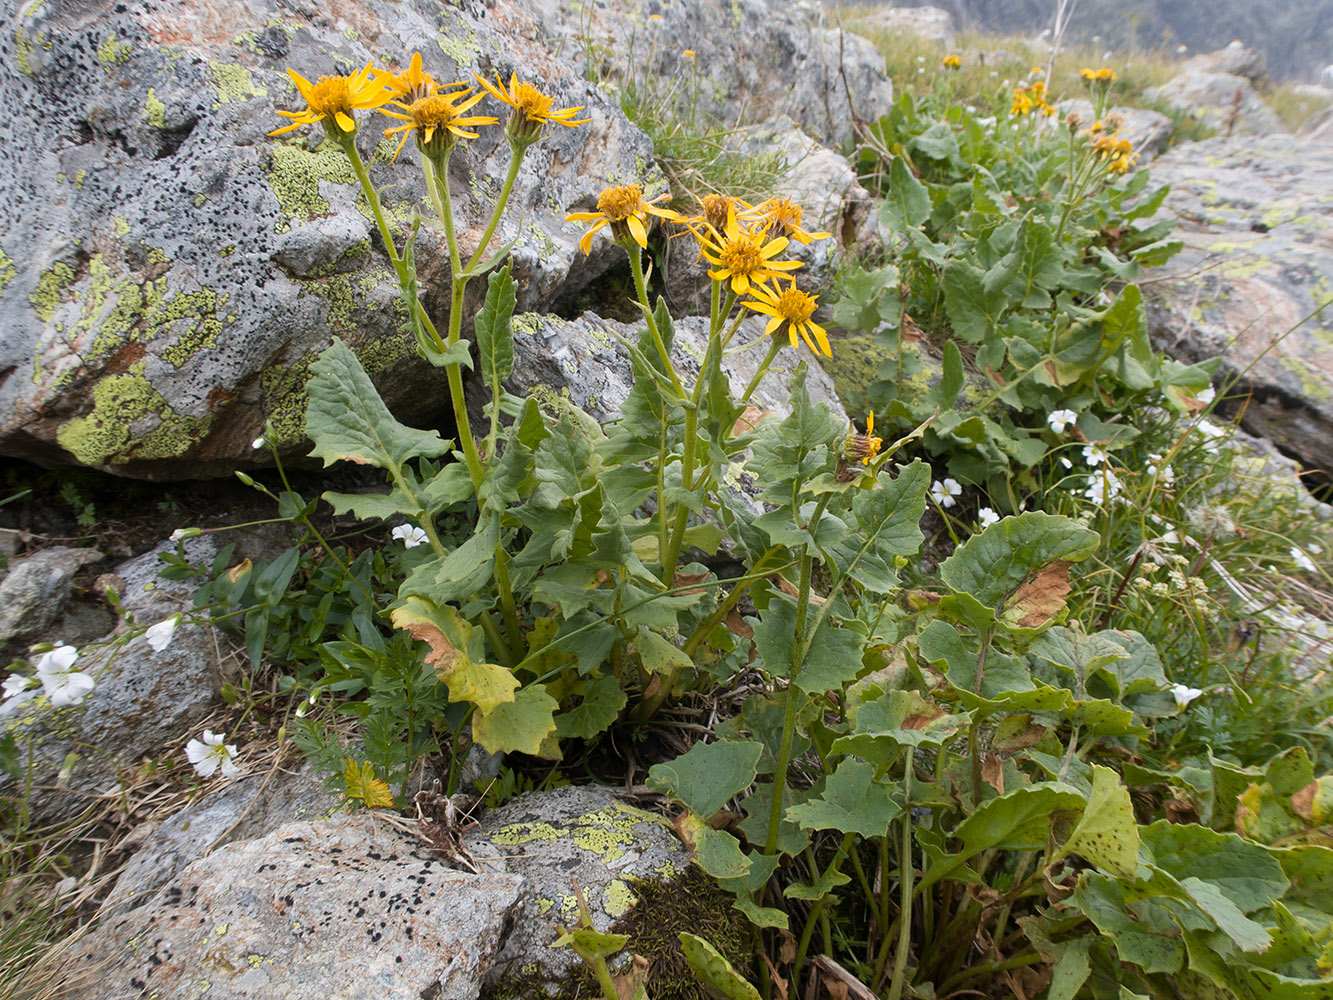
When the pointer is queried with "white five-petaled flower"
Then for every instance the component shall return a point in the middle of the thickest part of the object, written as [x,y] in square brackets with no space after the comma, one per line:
[1094,454]
[944,492]
[1183,694]
[1207,396]
[1301,560]
[410,535]
[986,517]
[63,685]
[1164,473]
[159,635]
[1060,419]
[210,753]
[18,684]
[1103,487]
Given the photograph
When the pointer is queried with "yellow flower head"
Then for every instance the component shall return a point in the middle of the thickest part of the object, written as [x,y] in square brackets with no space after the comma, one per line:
[1022,103]
[783,216]
[333,99]
[742,257]
[624,210]
[687,54]
[794,307]
[861,447]
[1031,98]
[438,122]
[1103,75]
[1123,163]
[531,109]
[714,209]
[413,84]
[952,62]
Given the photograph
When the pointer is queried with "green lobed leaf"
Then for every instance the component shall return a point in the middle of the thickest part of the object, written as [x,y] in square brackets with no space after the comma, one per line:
[993,564]
[706,777]
[1245,872]
[522,725]
[1141,933]
[974,312]
[603,698]
[1107,834]
[907,204]
[348,421]
[852,802]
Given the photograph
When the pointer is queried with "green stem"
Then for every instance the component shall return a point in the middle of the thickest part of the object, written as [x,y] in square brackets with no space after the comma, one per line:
[508,609]
[515,161]
[347,141]
[905,883]
[641,290]
[793,697]
[817,911]
[759,374]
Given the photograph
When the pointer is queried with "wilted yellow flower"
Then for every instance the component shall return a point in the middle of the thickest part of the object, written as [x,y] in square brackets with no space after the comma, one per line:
[1103,75]
[862,447]
[783,216]
[1031,98]
[793,307]
[952,62]
[334,98]
[741,256]
[532,108]
[413,84]
[624,210]
[438,114]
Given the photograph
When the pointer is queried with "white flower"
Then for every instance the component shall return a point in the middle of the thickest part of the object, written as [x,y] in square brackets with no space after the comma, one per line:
[1165,473]
[1094,454]
[61,684]
[1184,695]
[1060,419]
[258,443]
[944,492]
[410,535]
[210,753]
[1316,548]
[1207,396]
[1301,559]
[1066,462]
[159,635]
[1103,487]
[18,684]
[986,517]
[1209,429]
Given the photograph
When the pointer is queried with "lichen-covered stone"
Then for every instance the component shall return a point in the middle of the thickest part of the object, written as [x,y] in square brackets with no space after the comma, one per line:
[1222,101]
[564,837]
[167,271]
[1257,221]
[34,593]
[345,907]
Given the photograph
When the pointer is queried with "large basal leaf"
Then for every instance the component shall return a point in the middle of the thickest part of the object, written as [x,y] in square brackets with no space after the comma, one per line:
[524,725]
[706,777]
[495,336]
[1005,686]
[603,699]
[1245,872]
[993,564]
[832,660]
[1107,834]
[973,311]
[348,421]
[1142,933]
[852,802]
[486,685]
[468,568]
[907,204]
[898,719]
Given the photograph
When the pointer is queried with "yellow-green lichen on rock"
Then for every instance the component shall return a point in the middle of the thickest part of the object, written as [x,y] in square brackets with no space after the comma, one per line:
[7,270]
[285,401]
[49,293]
[154,111]
[130,421]
[294,174]
[232,82]
[113,52]
[605,832]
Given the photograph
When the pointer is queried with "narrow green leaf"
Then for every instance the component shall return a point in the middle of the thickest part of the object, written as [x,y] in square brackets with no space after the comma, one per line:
[495,335]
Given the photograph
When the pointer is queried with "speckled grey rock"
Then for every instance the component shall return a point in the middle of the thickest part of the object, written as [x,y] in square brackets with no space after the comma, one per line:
[579,360]
[1149,131]
[168,272]
[1257,221]
[571,835]
[1222,101]
[754,59]
[34,593]
[1238,60]
[346,907]
[239,810]
[144,699]
[931,23]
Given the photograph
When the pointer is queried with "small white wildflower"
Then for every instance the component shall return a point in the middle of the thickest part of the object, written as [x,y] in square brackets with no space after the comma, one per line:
[1094,454]
[410,535]
[1060,419]
[986,517]
[1066,462]
[159,635]
[1301,560]
[1209,430]
[17,684]
[1104,487]
[944,492]
[1184,695]
[1316,548]
[257,443]
[61,684]
[921,69]
[1207,396]
[920,59]
[212,752]
[1164,473]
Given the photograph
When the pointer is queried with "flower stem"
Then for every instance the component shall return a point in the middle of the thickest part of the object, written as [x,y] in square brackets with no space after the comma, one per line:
[515,162]
[641,290]
[759,374]
[793,698]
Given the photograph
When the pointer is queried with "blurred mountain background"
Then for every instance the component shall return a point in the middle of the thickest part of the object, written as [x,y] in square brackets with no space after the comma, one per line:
[1296,36]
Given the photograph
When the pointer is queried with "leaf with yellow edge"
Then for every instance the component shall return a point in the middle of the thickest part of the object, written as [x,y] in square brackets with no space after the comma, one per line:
[486,685]
[523,724]
[364,787]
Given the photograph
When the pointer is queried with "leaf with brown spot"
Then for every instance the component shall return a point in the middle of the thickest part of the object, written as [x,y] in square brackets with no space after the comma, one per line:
[630,983]
[239,570]
[1302,803]
[919,600]
[486,685]
[689,579]
[992,771]
[1041,598]
[749,420]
